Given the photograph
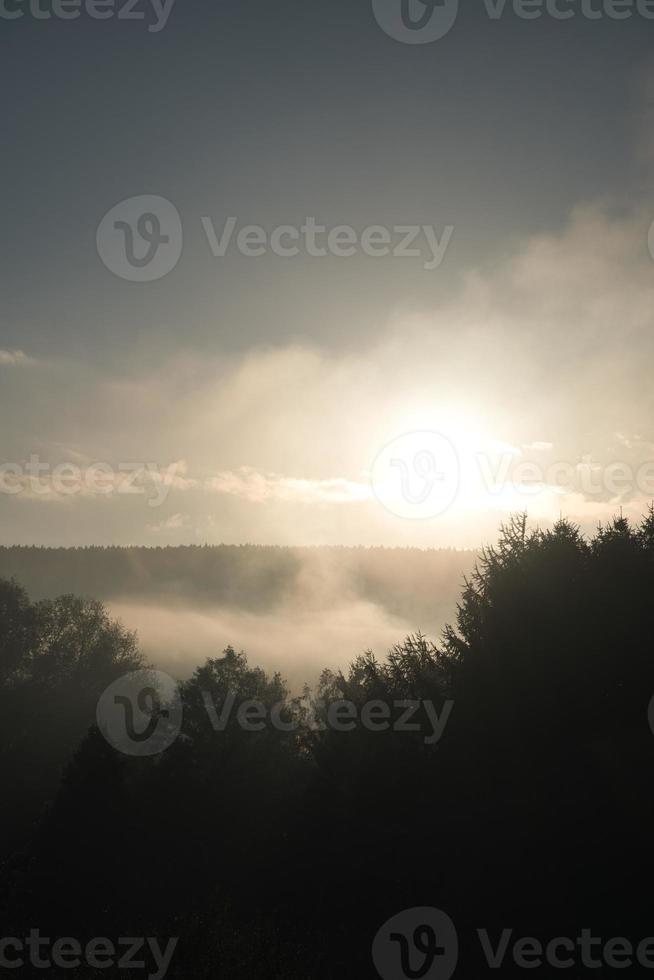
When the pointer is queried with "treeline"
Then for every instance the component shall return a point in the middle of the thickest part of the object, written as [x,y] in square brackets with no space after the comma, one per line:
[278,854]
[409,582]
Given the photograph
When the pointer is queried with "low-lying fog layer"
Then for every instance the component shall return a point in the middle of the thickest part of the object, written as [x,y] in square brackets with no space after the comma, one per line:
[297,642]
[292,610]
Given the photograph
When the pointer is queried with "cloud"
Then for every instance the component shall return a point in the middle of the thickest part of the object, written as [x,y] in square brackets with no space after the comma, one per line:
[497,446]
[256,487]
[556,340]
[175,522]
[13,357]
[539,446]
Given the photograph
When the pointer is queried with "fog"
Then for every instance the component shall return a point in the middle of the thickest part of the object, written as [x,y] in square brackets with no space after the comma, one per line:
[295,641]
[292,610]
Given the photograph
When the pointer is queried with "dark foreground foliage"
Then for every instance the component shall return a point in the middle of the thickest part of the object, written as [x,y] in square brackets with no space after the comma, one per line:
[278,855]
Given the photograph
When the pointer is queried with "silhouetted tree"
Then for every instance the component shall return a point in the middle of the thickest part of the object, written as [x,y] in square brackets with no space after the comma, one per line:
[278,854]
[56,658]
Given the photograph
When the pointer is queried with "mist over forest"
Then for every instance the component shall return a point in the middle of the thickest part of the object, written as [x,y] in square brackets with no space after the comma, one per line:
[297,610]
[327,490]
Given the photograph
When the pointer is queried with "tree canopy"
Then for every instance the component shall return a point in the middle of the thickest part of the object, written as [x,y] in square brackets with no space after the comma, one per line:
[290,848]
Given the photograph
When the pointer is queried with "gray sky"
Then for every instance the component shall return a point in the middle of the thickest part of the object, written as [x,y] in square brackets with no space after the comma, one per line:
[264,388]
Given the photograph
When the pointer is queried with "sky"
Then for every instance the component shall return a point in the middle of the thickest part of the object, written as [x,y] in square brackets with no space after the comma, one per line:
[272,274]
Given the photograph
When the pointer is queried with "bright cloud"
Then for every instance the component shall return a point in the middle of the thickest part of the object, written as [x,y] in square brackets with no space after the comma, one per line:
[258,488]
[13,357]
[555,341]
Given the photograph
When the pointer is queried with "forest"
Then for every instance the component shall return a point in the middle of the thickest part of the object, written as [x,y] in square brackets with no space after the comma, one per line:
[278,851]
[407,581]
